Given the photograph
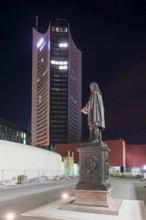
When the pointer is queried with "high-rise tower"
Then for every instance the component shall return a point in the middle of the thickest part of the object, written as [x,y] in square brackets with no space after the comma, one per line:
[56,86]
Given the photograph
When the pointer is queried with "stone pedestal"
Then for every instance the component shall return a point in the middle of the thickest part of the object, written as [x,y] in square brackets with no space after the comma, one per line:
[93,198]
[94,167]
[93,188]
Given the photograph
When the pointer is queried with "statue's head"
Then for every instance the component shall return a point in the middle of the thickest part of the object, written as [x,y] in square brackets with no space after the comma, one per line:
[94,86]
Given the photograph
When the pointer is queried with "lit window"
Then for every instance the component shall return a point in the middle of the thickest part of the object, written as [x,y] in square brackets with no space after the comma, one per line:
[40,42]
[53,28]
[62,67]
[38,80]
[58,62]
[57,29]
[64,62]
[42,60]
[55,89]
[65,29]
[54,62]
[63,44]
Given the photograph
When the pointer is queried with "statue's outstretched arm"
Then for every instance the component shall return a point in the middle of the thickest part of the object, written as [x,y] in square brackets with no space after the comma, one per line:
[86,109]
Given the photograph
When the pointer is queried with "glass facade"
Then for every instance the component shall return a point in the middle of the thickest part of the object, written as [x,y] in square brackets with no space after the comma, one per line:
[11,132]
[59,83]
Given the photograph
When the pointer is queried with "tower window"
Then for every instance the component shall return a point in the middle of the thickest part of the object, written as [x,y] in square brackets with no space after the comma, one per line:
[63,44]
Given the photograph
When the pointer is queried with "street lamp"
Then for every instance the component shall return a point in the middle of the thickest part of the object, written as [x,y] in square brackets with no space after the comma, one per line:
[10,216]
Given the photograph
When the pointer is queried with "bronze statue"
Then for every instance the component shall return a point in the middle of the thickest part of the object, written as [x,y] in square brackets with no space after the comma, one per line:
[95,110]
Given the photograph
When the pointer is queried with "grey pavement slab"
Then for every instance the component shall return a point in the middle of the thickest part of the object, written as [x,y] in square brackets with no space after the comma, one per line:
[112,209]
[30,189]
[129,210]
[131,190]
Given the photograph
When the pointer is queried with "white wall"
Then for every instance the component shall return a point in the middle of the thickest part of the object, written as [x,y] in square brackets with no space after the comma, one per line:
[18,159]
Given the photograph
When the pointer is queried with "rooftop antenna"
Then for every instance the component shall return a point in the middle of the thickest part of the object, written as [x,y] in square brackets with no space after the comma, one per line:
[36,23]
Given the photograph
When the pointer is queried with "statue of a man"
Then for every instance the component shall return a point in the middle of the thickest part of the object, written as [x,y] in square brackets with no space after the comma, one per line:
[95,110]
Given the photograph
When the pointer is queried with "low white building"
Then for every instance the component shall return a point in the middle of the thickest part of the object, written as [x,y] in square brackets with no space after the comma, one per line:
[18,159]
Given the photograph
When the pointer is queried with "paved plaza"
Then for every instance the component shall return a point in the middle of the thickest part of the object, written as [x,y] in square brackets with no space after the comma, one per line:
[132,191]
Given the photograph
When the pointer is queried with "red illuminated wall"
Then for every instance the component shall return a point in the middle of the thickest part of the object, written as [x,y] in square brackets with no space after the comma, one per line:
[117,154]
[136,155]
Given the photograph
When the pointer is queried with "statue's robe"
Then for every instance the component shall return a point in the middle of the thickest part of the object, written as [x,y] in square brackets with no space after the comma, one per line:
[96,112]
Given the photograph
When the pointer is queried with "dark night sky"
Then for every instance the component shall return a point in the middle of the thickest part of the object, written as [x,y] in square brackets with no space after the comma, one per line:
[112,38]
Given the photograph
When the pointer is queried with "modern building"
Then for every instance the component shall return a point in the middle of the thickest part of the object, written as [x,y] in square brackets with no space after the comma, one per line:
[56,86]
[12,132]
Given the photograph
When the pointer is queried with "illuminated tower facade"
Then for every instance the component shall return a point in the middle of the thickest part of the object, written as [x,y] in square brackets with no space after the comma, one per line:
[56,86]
